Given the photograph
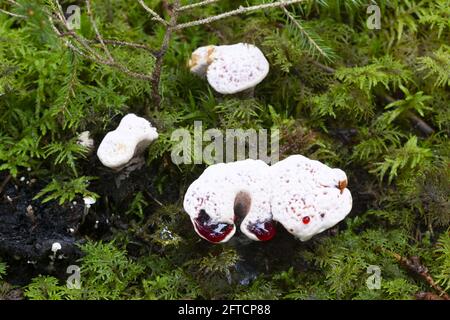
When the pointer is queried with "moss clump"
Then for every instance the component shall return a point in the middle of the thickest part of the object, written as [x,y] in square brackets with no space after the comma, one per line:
[372,102]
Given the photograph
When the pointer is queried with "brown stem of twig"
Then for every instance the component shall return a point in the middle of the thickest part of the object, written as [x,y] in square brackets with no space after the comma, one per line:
[416,121]
[414,265]
[156,75]
[5,182]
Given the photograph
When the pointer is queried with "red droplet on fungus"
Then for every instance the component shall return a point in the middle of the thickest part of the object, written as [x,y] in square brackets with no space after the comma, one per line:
[306,220]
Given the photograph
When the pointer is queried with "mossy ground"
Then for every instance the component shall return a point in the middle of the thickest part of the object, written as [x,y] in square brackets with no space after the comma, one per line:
[358,99]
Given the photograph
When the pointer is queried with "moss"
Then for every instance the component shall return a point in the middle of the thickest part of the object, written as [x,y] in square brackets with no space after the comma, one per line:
[373,102]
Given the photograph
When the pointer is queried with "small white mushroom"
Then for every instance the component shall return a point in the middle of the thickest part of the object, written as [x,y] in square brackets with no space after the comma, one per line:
[133,135]
[230,68]
[88,202]
[56,246]
[85,140]
[308,196]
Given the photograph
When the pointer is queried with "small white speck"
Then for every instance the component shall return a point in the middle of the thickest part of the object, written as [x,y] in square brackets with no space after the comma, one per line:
[56,246]
[22,179]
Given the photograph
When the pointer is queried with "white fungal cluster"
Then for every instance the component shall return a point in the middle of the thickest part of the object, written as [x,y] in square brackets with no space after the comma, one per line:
[305,196]
[230,68]
[133,135]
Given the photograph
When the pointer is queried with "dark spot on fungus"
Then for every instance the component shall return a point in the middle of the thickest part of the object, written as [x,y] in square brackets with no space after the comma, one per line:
[211,232]
[263,230]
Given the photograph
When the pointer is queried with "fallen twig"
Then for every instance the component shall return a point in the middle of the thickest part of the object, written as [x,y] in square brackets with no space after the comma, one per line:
[5,182]
[414,265]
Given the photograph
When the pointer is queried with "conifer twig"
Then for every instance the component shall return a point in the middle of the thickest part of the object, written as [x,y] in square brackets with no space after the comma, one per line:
[418,122]
[97,32]
[126,44]
[413,264]
[240,10]
[195,5]
[15,15]
[5,182]
[303,31]
[156,75]
[90,54]
[155,16]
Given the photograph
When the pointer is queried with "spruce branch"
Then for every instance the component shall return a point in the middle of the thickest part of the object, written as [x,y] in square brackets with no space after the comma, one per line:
[156,75]
[314,44]
[414,265]
[82,46]
[97,32]
[120,43]
[240,10]
[15,15]
[195,5]
[155,16]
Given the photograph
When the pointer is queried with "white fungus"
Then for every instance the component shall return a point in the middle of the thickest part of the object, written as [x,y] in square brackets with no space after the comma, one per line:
[230,68]
[226,192]
[305,196]
[55,247]
[133,135]
[88,201]
[85,140]
[308,196]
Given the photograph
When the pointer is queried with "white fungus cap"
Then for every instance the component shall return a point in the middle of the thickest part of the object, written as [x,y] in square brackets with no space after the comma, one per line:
[133,135]
[85,140]
[305,196]
[56,246]
[88,201]
[308,196]
[230,68]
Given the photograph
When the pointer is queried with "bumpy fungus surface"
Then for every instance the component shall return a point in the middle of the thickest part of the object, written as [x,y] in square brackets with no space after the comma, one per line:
[230,68]
[305,196]
[133,135]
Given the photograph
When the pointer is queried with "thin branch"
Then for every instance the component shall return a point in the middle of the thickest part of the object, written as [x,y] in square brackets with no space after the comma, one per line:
[15,3]
[240,10]
[96,59]
[156,16]
[5,182]
[125,44]
[156,75]
[418,122]
[97,32]
[302,30]
[195,5]
[15,15]
[413,264]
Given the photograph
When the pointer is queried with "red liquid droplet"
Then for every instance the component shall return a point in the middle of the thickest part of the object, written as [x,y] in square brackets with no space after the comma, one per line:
[306,220]
[263,230]
[211,232]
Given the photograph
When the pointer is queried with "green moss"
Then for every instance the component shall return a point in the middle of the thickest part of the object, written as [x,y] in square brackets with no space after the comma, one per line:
[326,92]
